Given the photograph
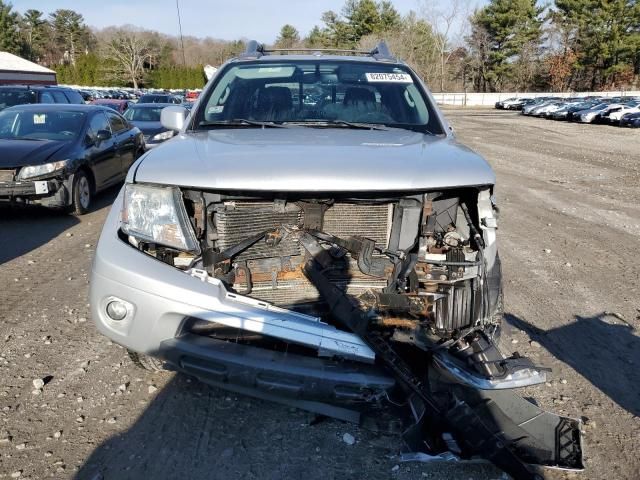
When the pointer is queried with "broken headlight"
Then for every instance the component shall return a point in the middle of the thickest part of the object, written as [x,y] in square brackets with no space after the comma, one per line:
[157,215]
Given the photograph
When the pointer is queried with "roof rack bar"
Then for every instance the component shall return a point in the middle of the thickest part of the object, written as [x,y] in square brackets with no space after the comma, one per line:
[343,50]
[256,50]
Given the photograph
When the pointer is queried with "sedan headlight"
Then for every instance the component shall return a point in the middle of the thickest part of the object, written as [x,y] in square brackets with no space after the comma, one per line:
[159,137]
[157,215]
[40,170]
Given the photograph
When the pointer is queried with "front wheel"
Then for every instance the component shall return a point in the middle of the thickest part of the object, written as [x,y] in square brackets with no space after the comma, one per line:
[81,195]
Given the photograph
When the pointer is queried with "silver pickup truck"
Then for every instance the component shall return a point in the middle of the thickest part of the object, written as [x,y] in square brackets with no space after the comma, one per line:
[315,235]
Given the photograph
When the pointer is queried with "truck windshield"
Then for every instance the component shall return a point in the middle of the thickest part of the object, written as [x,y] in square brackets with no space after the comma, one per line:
[317,93]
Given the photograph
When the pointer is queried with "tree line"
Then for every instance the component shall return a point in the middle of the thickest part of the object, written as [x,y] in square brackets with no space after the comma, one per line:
[114,56]
[505,45]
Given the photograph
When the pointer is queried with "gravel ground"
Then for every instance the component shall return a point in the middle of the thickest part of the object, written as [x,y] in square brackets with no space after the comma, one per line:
[570,225]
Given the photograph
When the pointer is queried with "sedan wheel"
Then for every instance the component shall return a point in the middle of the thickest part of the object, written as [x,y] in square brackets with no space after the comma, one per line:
[81,194]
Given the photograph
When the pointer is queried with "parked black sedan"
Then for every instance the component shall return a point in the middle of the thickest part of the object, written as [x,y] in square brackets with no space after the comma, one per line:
[61,155]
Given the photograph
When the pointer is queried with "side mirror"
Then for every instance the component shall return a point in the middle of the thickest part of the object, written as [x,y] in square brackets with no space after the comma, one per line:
[103,135]
[173,118]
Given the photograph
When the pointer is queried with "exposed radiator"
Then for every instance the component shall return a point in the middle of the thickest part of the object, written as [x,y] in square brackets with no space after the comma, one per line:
[240,220]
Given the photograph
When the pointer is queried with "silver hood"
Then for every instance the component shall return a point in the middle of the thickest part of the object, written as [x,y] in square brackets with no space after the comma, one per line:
[313,159]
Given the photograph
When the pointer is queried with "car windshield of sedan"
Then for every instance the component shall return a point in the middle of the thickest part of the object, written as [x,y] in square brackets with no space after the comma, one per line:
[143,114]
[318,93]
[40,125]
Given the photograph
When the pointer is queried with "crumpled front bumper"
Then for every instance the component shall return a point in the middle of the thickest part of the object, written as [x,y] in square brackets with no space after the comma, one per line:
[50,192]
[43,188]
[162,297]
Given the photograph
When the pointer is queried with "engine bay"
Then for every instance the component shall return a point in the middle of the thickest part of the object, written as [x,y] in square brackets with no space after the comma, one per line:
[411,262]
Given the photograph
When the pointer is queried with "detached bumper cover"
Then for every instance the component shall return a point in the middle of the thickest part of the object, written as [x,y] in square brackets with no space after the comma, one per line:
[282,374]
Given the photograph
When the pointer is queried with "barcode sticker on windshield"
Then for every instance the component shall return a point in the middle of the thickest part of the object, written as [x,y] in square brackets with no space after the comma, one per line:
[389,77]
[39,119]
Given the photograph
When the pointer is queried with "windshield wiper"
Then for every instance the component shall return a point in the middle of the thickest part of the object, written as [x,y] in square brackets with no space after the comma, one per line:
[342,123]
[241,122]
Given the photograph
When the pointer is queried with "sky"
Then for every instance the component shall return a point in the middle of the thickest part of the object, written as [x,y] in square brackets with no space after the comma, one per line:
[229,20]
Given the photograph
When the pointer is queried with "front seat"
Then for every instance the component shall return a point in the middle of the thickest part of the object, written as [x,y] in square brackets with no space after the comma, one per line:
[359,97]
[274,104]
[358,104]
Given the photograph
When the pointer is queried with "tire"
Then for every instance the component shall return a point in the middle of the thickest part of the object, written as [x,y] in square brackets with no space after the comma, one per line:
[81,195]
[146,362]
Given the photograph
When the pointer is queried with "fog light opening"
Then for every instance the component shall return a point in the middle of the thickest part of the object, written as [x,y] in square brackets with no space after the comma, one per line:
[117,310]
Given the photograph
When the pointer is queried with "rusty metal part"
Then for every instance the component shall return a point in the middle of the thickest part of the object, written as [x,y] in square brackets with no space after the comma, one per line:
[396,322]
[274,237]
[199,218]
[393,307]
[243,277]
[414,305]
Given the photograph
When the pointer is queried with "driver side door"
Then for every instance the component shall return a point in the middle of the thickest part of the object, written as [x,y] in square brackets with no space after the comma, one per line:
[103,154]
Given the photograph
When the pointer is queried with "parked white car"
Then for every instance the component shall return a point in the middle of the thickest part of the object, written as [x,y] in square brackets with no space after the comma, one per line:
[631,107]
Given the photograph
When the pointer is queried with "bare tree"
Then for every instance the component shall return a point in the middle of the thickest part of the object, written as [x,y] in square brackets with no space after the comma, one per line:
[448,21]
[128,50]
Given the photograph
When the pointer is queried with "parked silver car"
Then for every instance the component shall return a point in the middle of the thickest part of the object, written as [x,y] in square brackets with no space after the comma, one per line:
[315,235]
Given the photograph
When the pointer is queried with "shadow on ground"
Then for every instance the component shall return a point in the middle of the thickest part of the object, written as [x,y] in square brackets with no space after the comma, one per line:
[25,228]
[601,348]
[191,430]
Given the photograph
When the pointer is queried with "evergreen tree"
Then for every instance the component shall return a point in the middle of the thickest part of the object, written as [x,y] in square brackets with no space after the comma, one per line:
[288,37]
[317,38]
[359,18]
[605,36]
[34,30]
[9,35]
[389,17]
[70,33]
[362,16]
[513,28]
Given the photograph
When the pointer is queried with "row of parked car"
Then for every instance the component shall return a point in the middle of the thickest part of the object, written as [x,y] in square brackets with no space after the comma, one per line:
[58,151]
[622,111]
[178,96]
[118,100]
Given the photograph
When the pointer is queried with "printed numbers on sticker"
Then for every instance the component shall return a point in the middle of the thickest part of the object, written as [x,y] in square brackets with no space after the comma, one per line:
[389,77]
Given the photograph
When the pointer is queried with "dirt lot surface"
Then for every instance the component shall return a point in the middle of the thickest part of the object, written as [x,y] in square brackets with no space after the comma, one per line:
[569,235]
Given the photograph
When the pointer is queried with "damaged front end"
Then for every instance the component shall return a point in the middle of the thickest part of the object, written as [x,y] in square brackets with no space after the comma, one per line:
[408,283]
